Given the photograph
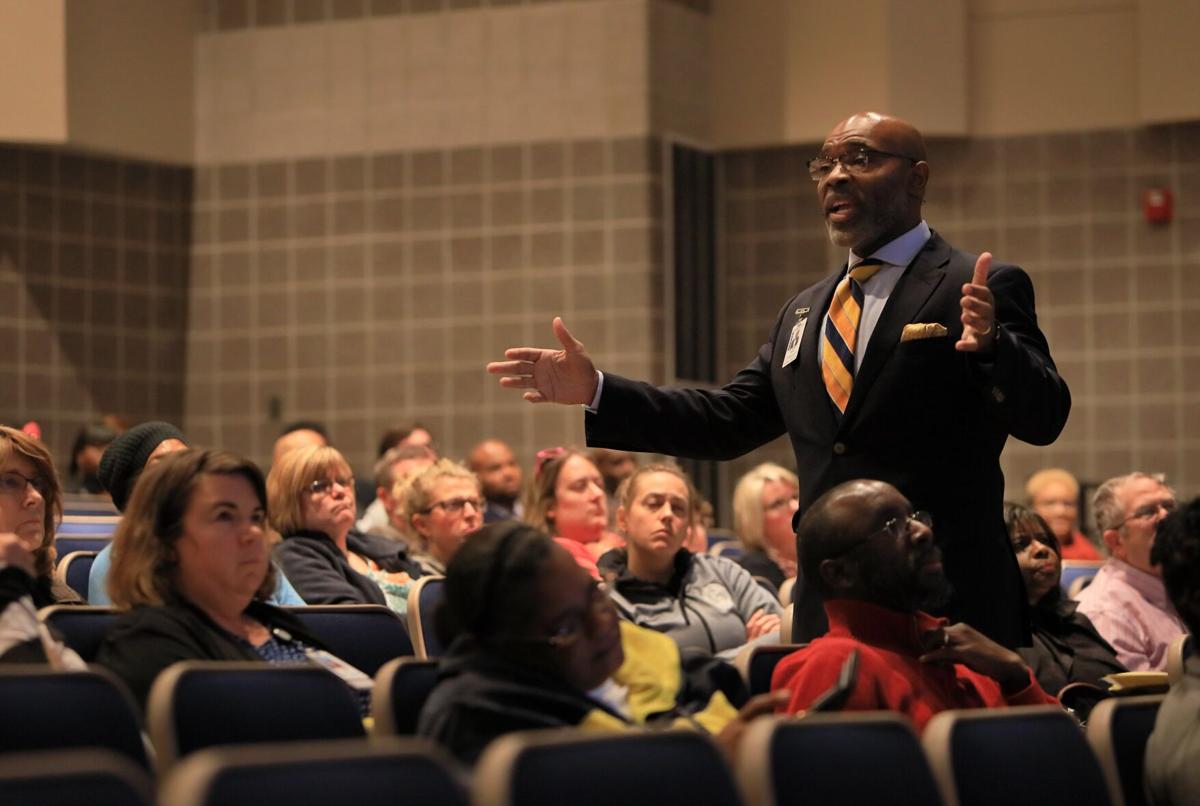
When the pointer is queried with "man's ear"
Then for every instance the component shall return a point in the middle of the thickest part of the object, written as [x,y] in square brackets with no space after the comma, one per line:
[918,178]
[835,576]
[1112,539]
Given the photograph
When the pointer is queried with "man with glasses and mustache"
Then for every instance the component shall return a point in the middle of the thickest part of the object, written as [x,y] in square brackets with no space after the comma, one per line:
[1127,601]
[912,363]
[877,566]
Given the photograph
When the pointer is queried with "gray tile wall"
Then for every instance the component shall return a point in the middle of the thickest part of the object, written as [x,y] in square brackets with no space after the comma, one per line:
[93,278]
[1117,297]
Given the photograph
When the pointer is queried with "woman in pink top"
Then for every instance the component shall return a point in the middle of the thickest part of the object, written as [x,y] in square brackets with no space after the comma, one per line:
[568,501]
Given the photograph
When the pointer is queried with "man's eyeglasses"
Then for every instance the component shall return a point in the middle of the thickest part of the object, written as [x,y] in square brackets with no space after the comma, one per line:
[895,528]
[1148,511]
[325,486]
[14,484]
[857,161]
[453,506]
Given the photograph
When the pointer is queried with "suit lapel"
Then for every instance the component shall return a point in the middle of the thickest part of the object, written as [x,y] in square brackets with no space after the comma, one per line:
[916,285]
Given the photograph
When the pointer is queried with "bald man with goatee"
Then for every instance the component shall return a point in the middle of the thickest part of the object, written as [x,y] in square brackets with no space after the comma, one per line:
[912,363]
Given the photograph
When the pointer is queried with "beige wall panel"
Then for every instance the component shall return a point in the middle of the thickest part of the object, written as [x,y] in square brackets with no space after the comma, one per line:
[1050,72]
[748,46]
[33,92]
[130,76]
[1169,60]
[927,66]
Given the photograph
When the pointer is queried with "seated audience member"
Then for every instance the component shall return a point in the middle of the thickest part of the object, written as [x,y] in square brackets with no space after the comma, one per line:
[412,433]
[567,500]
[1127,601]
[764,501]
[500,475]
[615,467]
[1054,494]
[30,507]
[122,464]
[1172,776]
[300,434]
[192,565]
[83,472]
[706,604]
[1066,647]
[443,507]
[534,642]
[875,563]
[383,516]
[311,501]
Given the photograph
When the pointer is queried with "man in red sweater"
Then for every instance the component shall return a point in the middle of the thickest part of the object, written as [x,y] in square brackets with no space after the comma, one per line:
[875,563]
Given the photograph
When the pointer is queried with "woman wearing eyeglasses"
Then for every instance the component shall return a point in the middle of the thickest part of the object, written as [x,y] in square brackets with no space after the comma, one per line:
[534,642]
[764,501]
[443,505]
[310,492]
[30,506]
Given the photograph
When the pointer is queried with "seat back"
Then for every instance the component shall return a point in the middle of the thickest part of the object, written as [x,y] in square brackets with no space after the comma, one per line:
[823,757]
[729,549]
[383,772]
[1177,654]
[72,570]
[785,591]
[785,624]
[94,777]
[1035,756]
[632,769]
[89,525]
[198,704]
[424,598]
[401,688]
[1076,569]
[65,544]
[1118,729]
[82,628]
[757,663]
[42,709]
[365,636]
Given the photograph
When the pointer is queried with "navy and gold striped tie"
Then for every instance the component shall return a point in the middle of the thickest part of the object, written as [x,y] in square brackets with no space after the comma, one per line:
[841,333]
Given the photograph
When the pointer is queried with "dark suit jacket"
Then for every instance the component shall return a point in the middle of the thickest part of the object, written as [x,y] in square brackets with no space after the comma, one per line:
[922,416]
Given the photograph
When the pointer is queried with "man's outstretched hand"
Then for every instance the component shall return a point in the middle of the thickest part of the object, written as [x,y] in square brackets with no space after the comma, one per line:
[978,311]
[550,376]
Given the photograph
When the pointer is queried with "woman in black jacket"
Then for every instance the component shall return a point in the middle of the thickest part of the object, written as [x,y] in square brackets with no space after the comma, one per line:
[191,559]
[1066,648]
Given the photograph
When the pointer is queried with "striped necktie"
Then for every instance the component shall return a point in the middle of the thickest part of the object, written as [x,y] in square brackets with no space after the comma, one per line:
[841,333]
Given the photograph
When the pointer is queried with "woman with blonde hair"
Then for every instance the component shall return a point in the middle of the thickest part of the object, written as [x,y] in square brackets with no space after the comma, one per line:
[192,565]
[310,492]
[764,502]
[1053,494]
[568,501]
[442,505]
[30,509]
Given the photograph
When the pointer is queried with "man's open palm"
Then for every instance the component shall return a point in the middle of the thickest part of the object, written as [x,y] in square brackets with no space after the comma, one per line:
[555,376]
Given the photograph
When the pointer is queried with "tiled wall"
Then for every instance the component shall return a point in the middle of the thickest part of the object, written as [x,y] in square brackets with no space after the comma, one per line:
[1116,297]
[363,290]
[93,277]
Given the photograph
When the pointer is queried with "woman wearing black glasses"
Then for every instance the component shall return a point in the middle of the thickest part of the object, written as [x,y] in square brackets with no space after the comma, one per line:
[442,505]
[310,493]
[534,642]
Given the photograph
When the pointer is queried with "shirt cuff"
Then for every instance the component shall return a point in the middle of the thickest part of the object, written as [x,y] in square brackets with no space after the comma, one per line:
[1033,694]
[594,406]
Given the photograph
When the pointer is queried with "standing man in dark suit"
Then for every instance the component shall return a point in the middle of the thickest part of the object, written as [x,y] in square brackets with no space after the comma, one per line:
[912,364]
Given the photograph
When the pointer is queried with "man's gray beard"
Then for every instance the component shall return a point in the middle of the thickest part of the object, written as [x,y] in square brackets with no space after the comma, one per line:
[867,231]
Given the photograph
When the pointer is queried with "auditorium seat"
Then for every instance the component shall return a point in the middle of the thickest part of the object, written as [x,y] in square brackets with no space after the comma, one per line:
[401,688]
[382,772]
[65,544]
[729,549]
[82,628]
[1177,654]
[1032,755]
[198,704]
[43,709]
[72,570]
[785,624]
[365,636]
[92,777]
[88,525]
[424,598]
[757,663]
[1118,729]
[835,759]
[639,768]
[785,591]
[1073,570]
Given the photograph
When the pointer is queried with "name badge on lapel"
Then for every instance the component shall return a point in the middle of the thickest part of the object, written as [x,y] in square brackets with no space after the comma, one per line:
[793,347]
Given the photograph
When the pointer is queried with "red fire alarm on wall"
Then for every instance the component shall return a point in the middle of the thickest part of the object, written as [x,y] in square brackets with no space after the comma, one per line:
[1157,205]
